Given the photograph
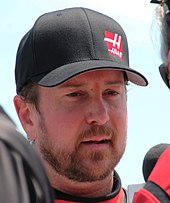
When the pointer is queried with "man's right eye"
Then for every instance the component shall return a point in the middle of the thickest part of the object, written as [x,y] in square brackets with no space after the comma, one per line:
[74,94]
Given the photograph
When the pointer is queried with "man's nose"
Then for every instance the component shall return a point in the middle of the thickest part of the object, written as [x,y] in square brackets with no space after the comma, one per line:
[97,112]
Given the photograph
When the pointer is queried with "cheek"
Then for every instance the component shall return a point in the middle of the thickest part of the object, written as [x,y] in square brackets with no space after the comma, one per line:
[62,125]
[120,125]
[66,117]
[119,109]
[119,117]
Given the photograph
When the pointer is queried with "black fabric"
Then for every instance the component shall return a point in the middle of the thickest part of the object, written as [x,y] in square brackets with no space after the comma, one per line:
[64,43]
[23,178]
[163,69]
[151,159]
[115,191]
[157,191]
[167,2]
[156,1]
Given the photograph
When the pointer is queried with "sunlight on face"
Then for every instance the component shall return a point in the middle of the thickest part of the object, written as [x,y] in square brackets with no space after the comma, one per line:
[83,125]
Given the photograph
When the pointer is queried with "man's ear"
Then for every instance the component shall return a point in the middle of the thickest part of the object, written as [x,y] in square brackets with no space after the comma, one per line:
[24,111]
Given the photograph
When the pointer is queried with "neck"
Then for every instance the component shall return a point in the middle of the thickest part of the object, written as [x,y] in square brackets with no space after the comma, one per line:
[81,189]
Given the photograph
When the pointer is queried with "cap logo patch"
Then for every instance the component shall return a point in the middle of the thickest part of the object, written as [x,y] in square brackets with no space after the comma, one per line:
[114,44]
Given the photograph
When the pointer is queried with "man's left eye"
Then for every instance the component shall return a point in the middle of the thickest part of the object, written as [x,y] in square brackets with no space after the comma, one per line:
[111,93]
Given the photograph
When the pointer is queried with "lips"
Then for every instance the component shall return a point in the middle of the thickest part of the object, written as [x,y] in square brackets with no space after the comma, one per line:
[97,140]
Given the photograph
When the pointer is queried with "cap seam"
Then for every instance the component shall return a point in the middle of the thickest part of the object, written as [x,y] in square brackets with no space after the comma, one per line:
[33,46]
[94,51]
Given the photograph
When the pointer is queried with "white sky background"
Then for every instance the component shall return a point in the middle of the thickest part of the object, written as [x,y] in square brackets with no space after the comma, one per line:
[148,106]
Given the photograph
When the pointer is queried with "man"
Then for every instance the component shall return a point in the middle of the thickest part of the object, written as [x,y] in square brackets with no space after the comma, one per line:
[163,18]
[72,68]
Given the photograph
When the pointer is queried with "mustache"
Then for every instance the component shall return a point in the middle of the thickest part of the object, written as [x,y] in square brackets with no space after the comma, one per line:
[97,130]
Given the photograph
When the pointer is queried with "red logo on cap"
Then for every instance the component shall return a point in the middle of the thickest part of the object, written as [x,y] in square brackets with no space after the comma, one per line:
[114,44]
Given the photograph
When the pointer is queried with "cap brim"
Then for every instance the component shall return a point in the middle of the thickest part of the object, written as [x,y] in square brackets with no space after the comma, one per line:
[65,72]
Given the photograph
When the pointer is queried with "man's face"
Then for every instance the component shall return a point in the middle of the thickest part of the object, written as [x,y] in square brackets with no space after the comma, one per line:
[82,125]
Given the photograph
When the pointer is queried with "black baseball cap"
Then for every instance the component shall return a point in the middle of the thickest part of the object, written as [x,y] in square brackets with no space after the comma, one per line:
[65,43]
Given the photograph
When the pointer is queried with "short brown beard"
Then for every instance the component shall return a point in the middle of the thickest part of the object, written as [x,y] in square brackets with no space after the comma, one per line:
[69,164]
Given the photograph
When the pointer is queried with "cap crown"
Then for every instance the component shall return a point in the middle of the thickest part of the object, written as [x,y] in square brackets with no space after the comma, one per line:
[67,42]
[64,37]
